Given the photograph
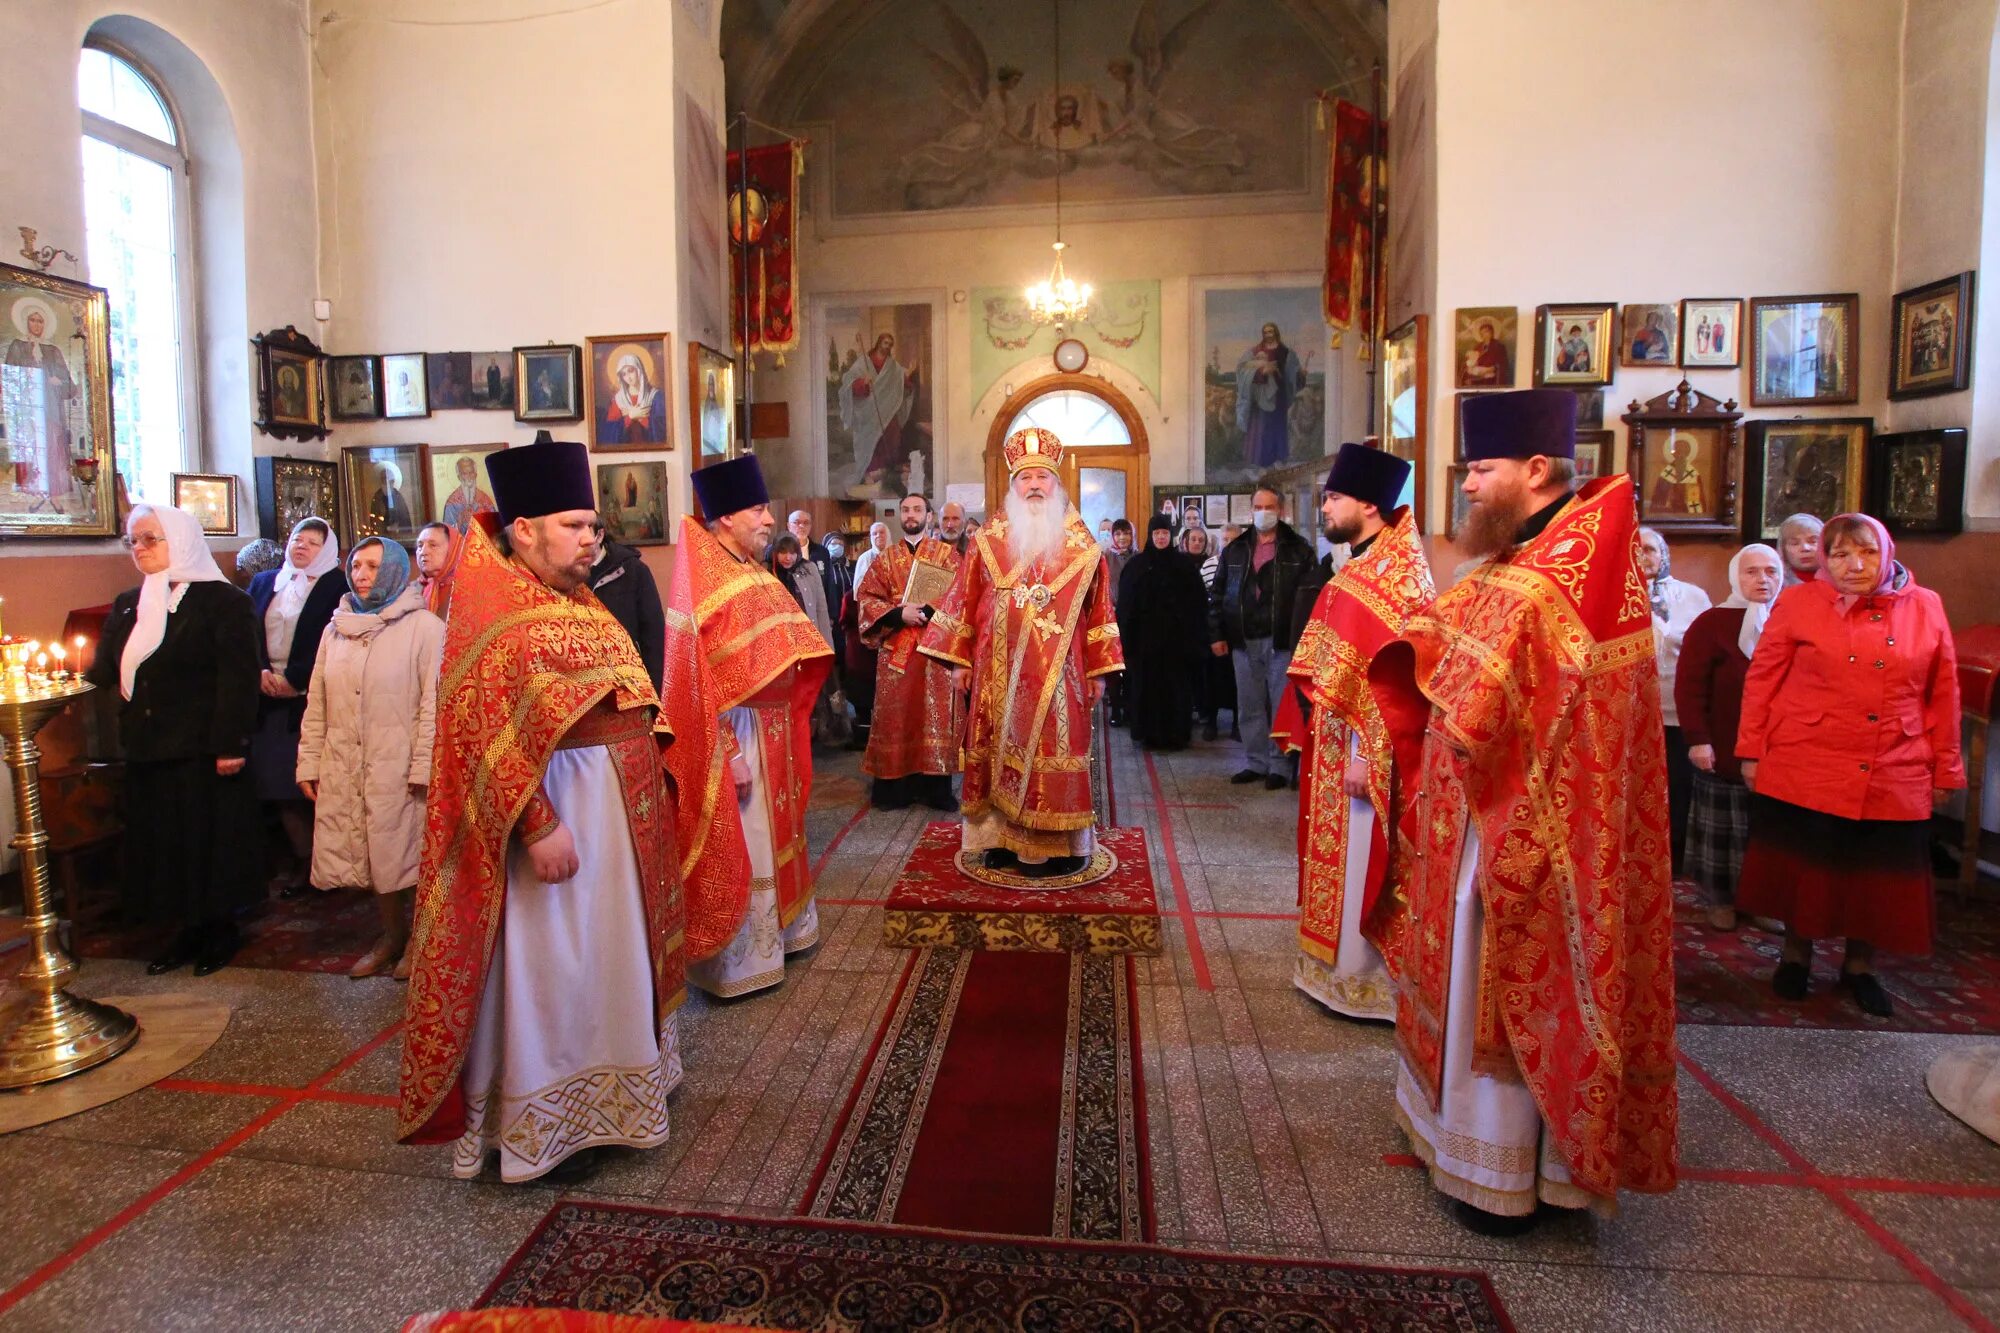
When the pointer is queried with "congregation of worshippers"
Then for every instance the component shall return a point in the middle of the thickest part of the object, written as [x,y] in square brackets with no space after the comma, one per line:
[572,794]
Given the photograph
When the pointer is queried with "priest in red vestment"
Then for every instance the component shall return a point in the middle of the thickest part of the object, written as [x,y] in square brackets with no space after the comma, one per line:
[1029,632]
[1535,977]
[913,742]
[1347,783]
[744,666]
[548,936]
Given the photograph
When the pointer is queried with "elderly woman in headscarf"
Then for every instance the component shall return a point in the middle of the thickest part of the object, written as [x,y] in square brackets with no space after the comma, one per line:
[181,650]
[365,745]
[1676,603]
[255,557]
[439,545]
[1848,739]
[1798,547]
[1708,695]
[292,604]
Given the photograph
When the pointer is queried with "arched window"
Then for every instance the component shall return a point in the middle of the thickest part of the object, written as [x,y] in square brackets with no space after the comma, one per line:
[1079,419]
[135,204]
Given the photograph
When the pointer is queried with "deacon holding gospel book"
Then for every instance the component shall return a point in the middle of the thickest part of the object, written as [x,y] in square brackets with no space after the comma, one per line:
[913,744]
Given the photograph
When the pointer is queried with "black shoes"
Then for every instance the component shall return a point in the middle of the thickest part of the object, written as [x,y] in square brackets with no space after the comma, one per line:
[999,858]
[1867,993]
[179,956]
[1482,1223]
[946,803]
[1276,782]
[1791,981]
[1247,776]
[576,1168]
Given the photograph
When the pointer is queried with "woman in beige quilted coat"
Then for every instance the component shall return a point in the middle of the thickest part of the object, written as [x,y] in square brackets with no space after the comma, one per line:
[365,743]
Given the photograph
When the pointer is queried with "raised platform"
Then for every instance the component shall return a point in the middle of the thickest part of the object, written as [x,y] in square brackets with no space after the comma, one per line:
[935,903]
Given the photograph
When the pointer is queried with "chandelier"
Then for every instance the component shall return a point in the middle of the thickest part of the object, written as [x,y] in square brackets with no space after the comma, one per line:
[1060,299]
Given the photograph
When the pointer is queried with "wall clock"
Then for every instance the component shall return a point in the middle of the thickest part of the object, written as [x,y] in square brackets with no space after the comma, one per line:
[1071,356]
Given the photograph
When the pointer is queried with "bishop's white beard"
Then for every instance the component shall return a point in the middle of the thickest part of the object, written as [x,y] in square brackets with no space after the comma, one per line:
[1035,529]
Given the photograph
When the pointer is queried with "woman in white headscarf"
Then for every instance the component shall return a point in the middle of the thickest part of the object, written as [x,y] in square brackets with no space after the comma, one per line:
[1708,692]
[293,604]
[1676,603]
[181,650]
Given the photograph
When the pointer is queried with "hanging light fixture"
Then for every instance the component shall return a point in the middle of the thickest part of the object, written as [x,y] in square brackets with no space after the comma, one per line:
[1060,299]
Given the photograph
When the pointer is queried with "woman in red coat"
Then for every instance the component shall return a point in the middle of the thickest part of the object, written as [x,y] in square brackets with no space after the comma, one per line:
[1849,736]
[1708,692]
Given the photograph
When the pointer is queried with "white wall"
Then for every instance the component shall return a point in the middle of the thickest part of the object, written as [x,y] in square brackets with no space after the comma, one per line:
[1175,251]
[1623,152]
[255,52]
[493,174]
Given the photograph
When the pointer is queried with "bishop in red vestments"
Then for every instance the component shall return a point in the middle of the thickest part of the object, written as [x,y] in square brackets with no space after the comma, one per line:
[1029,631]
[1535,977]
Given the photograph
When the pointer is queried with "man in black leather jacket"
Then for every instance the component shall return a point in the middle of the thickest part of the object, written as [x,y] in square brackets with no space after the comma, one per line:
[1250,615]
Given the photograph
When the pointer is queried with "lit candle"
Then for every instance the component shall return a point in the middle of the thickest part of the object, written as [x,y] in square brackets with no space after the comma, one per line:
[61,667]
[41,664]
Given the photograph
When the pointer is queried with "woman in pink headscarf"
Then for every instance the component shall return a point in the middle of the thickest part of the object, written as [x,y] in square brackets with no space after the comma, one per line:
[1849,736]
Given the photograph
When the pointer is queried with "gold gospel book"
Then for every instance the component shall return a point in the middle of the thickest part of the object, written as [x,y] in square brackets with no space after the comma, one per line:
[927,584]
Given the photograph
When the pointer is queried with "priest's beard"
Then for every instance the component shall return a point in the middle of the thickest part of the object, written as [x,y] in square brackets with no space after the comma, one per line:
[1490,527]
[1341,534]
[1035,527]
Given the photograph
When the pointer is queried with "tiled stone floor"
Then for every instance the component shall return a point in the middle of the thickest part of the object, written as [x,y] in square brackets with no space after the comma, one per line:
[260,1188]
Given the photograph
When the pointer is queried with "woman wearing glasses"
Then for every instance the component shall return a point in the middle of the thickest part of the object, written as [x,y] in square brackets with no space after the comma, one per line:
[181,650]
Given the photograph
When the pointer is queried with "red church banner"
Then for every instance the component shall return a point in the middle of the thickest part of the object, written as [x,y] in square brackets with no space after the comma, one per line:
[1349,289]
[773,189]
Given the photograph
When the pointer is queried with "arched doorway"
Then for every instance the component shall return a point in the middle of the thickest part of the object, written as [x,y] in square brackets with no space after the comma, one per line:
[1105,452]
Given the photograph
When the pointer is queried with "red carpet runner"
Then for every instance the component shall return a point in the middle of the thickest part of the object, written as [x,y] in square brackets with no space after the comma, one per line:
[1002,1094]
[935,904]
[797,1274]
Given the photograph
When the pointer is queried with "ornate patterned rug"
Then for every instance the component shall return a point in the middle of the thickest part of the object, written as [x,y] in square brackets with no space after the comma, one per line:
[1725,977]
[1002,1094]
[798,1274]
[936,904]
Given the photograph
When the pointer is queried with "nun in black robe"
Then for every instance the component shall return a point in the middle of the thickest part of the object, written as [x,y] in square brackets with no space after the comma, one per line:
[1163,622]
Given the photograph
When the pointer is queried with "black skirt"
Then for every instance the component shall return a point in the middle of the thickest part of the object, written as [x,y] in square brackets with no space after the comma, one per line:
[193,842]
[274,750]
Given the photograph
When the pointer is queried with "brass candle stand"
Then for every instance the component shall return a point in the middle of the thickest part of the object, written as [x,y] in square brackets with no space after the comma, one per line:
[55,1033]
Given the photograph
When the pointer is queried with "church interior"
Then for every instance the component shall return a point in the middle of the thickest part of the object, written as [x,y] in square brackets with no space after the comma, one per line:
[283,258]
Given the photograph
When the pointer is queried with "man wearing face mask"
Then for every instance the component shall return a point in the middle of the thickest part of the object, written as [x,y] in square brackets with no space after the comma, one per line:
[1250,620]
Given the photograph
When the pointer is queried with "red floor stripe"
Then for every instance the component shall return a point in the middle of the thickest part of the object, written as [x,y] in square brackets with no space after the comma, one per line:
[138,1208]
[838,838]
[275,1091]
[1197,955]
[1884,1239]
[850,902]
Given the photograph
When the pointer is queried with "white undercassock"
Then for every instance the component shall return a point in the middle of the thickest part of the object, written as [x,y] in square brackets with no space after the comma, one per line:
[1356,983]
[565,1055]
[754,958]
[1487,1143]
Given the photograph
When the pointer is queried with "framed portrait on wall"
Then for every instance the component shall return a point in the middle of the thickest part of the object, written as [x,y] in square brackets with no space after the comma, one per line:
[1684,457]
[210,497]
[1593,454]
[1590,409]
[405,386]
[1215,511]
[290,489]
[1802,466]
[1804,350]
[291,393]
[632,501]
[548,382]
[355,387]
[1916,480]
[448,380]
[55,407]
[489,381]
[711,405]
[458,486]
[1573,344]
[1711,333]
[1931,332]
[386,490]
[1649,334]
[631,397]
[1484,339]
